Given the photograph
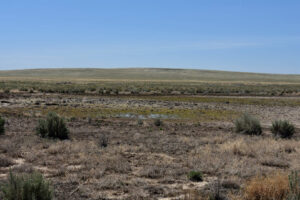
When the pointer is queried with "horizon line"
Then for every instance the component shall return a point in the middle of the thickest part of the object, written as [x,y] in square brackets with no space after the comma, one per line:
[171,68]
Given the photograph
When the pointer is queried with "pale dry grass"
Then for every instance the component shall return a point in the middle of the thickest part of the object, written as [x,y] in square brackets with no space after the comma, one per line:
[272,187]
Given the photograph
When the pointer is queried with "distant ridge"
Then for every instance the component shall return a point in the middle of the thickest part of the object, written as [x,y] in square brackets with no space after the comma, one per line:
[146,74]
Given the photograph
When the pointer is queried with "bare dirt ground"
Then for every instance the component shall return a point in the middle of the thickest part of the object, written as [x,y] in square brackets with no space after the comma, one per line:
[111,156]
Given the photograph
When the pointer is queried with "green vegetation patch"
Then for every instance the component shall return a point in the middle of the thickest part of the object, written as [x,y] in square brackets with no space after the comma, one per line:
[196,176]
[100,112]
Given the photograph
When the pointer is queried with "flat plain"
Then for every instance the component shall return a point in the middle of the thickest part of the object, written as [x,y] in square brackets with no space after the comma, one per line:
[137,133]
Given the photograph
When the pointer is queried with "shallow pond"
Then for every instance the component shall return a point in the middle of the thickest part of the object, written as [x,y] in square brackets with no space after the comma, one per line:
[150,116]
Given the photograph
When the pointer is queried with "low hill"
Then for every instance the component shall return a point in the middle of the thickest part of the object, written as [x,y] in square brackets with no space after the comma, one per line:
[146,74]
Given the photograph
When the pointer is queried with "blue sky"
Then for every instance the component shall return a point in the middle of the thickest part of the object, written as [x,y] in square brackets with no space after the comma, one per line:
[240,35]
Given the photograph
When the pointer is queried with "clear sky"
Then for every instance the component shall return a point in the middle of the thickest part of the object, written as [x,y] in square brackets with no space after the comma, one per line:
[237,35]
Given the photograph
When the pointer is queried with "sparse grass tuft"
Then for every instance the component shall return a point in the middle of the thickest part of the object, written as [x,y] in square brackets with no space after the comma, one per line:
[283,129]
[248,124]
[53,127]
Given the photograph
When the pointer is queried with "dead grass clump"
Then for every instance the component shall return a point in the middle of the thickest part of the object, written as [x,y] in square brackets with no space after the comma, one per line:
[231,184]
[193,195]
[24,168]
[58,148]
[11,147]
[111,182]
[5,161]
[116,164]
[275,162]
[153,172]
[240,148]
[272,187]
[289,148]
[210,160]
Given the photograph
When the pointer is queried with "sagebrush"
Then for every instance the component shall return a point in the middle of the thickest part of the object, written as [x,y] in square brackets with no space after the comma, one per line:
[53,127]
[27,187]
[248,124]
[283,129]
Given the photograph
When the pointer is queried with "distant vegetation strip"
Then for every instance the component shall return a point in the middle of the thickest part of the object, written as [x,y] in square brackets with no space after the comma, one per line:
[151,88]
[99,112]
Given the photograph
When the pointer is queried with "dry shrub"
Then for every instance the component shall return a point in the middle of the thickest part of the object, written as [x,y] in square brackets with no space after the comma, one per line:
[11,147]
[112,182]
[193,195]
[153,172]
[116,164]
[275,162]
[5,161]
[262,148]
[240,147]
[210,160]
[272,187]
[24,168]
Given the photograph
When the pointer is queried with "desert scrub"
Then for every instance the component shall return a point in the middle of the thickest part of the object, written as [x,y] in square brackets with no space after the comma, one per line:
[27,187]
[195,176]
[283,129]
[248,124]
[53,127]
[2,124]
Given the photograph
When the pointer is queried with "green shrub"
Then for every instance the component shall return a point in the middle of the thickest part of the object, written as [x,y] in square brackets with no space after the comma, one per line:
[53,127]
[2,124]
[248,124]
[158,122]
[42,129]
[283,129]
[195,176]
[27,187]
